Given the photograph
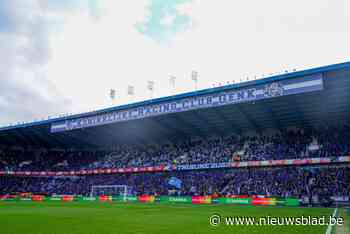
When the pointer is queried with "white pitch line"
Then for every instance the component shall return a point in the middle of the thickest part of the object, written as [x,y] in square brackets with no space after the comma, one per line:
[329,228]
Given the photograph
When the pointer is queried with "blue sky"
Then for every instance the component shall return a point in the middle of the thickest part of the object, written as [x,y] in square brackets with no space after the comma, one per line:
[6,21]
[63,56]
[159,10]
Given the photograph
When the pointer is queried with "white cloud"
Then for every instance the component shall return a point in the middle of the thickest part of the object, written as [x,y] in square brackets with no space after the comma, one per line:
[25,91]
[226,40]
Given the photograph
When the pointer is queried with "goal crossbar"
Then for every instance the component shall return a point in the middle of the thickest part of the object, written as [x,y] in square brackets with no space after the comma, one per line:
[120,190]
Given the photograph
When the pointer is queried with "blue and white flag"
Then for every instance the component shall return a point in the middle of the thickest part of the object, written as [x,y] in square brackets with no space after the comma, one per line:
[175,182]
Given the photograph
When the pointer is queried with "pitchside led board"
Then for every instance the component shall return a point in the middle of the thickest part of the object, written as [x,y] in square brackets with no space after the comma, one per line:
[234,96]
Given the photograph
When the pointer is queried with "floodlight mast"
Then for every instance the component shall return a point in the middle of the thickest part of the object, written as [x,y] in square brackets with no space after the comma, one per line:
[194,76]
[172,81]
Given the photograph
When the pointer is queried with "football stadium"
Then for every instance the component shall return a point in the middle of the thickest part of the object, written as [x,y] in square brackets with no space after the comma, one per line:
[174,116]
[263,156]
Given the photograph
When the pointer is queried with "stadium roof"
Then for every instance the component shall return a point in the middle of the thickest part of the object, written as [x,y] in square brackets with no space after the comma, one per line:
[330,104]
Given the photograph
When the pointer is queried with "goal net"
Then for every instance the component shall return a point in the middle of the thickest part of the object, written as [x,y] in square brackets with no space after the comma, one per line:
[110,190]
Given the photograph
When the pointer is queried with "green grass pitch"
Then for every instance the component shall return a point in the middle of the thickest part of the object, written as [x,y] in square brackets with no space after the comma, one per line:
[116,218]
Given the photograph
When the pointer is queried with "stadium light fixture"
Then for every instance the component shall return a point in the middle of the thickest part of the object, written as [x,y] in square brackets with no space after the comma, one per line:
[150,87]
[131,92]
[172,80]
[112,95]
[194,76]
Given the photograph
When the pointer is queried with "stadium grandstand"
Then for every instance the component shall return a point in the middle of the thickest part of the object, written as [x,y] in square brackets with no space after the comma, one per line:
[252,138]
[281,140]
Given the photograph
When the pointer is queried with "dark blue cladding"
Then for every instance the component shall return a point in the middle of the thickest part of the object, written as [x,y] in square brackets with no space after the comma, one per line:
[228,97]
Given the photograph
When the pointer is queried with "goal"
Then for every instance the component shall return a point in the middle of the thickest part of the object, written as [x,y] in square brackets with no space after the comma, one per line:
[110,190]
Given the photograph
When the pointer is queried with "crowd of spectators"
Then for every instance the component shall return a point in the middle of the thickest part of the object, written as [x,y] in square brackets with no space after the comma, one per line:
[281,182]
[285,144]
[275,181]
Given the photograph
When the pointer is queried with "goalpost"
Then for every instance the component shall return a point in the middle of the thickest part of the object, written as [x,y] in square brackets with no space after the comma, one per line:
[110,190]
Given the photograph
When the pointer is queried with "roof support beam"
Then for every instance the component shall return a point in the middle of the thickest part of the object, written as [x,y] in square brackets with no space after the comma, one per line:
[58,141]
[299,113]
[219,113]
[205,121]
[249,119]
[111,132]
[150,132]
[155,125]
[188,125]
[81,142]
[21,135]
[268,110]
[101,135]
[164,124]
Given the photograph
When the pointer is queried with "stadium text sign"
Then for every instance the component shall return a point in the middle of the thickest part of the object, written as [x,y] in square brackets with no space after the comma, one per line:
[270,90]
[285,162]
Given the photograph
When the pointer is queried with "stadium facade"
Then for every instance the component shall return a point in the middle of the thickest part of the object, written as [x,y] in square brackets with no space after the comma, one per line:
[303,98]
